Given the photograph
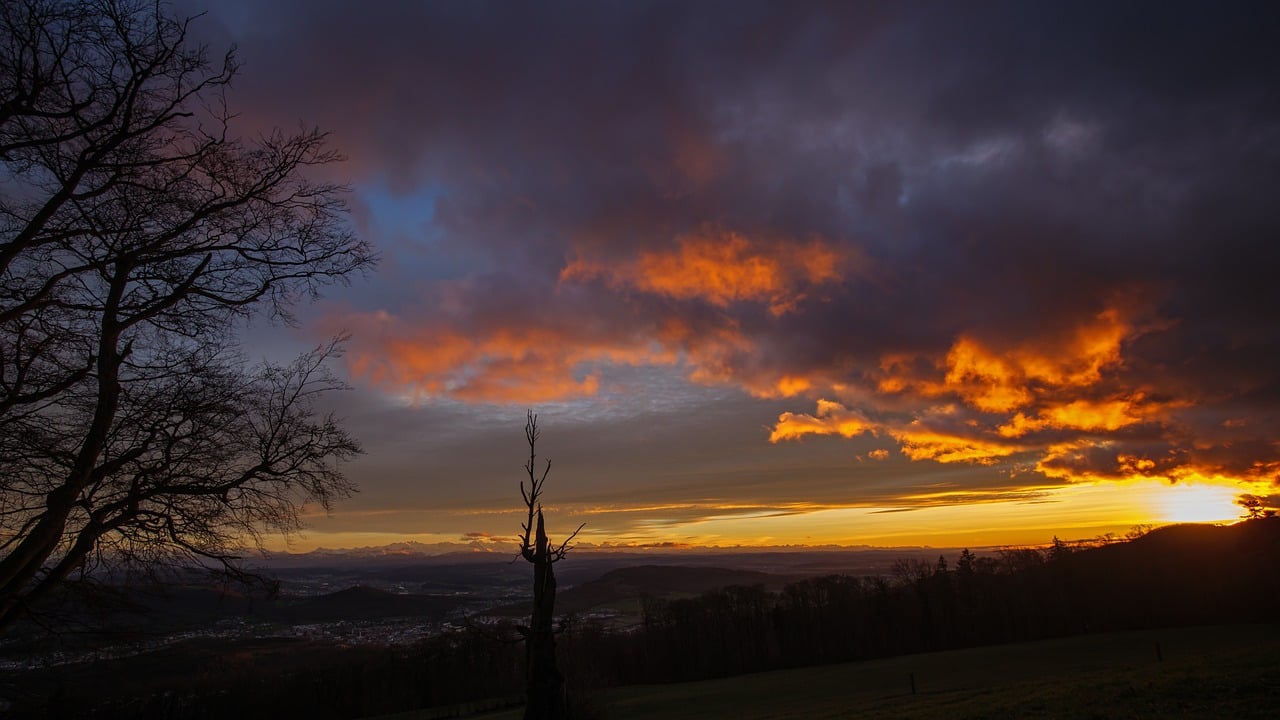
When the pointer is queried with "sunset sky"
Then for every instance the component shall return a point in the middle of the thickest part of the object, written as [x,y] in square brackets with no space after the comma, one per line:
[790,273]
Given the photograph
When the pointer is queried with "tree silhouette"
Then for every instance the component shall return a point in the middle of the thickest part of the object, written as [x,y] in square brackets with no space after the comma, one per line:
[544,683]
[1255,506]
[136,232]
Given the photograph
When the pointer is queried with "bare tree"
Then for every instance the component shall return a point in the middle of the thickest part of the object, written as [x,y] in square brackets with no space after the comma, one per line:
[136,232]
[544,683]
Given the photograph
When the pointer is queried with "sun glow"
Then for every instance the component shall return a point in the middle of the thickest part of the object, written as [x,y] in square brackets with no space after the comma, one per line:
[1197,503]
[952,518]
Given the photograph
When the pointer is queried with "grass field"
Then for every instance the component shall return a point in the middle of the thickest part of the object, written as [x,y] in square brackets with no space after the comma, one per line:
[1207,672]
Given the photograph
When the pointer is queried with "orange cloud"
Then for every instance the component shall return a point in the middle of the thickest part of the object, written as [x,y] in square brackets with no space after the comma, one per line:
[1005,380]
[1093,460]
[917,439]
[1025,384]
[790,385]
[1063,398]
[982,404]
[463,349]
[530,364]
[1085,415]
[760,383]
[989,381]
[721,268]
[922,443]
[831,418]
[541,356]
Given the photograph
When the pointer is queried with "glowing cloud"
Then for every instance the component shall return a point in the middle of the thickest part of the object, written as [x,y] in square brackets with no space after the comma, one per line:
[922,443]
[1085,415]
[558,348]
[1007,379]
[917,440]
[530,364]
[1061,405]
[721,268]
[831,418]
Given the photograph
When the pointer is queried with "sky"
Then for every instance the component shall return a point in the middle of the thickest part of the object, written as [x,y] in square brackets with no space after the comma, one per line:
[789,273]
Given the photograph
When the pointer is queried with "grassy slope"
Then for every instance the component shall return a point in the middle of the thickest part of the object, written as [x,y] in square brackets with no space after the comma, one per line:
[1206,672]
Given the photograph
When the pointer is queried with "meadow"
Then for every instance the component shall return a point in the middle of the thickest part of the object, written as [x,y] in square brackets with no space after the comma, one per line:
[1199,672]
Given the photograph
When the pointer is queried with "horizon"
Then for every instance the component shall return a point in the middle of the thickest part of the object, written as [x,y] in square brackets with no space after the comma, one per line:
[785,282]
[436,548]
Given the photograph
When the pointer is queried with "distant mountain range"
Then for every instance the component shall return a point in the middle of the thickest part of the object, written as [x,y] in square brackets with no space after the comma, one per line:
[442,553]
[395,553]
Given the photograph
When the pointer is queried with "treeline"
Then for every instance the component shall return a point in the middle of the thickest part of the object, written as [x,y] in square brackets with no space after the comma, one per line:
[1175,576]
[1178,575]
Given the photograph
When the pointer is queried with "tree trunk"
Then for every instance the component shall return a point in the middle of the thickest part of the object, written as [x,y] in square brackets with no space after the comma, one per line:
[21,566]
[544,684]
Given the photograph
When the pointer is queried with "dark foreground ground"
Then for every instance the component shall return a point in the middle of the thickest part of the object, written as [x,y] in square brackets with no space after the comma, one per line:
[1202,672]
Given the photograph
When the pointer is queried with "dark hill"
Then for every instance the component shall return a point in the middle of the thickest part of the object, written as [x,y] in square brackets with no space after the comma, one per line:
[1177,575]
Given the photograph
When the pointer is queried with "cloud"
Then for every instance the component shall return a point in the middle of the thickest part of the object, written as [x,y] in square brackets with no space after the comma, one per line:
[1031,238]
[919,442]
[1085,415]
[1066,404]
[1009,378]
[721,268]
[922,438]
[503,339]
[831,418]
[547,358]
